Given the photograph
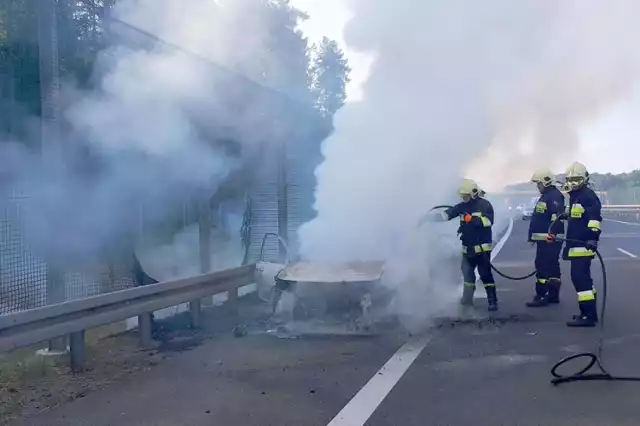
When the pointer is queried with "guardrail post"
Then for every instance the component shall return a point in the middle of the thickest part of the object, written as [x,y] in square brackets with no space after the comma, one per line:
[77,355]
[196,313]
[232,301]
[145,325]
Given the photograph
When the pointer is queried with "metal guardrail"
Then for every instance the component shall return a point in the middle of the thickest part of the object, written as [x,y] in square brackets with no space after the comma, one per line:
[72,318]
[621,207]
[627,212]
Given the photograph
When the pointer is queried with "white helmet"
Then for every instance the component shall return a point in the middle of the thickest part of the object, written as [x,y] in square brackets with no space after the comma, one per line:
[468,187]
[576,176]
[543,176]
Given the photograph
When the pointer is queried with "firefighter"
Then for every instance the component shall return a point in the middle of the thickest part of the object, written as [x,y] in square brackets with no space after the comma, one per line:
[584,217]
[549,206]
[476,220]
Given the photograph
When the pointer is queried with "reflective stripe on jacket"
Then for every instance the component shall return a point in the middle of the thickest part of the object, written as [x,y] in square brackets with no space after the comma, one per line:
[550,204]
[476,236]
[584,223]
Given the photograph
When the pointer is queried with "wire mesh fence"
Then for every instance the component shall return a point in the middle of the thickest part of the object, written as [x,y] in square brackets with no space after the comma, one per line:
[39,47]
[23,276]
[27,281]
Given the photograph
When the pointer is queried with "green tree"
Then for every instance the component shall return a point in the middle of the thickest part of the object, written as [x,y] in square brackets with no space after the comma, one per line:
[329,75]
[19,72]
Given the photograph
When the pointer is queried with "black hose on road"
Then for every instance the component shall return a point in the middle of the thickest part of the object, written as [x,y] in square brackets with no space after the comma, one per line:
[502,274]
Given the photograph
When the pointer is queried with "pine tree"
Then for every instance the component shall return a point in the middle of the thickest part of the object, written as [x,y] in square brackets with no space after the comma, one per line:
[329,74]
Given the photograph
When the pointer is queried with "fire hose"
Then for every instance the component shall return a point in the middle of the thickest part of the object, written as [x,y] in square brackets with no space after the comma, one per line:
[595,359]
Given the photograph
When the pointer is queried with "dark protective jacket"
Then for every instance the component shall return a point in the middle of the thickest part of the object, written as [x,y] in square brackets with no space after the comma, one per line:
[476,236]
[585,218]
[549,206]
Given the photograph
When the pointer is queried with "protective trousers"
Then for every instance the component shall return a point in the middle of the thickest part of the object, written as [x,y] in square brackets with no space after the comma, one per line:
[547,265]
[483,263]
[583,283]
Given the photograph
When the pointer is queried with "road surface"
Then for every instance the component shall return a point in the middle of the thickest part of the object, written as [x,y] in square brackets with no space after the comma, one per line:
[476,373]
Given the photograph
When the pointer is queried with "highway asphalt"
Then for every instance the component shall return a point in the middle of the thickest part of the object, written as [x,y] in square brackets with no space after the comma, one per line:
[492,370]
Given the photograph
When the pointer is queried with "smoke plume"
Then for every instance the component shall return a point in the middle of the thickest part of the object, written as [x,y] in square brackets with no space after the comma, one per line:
[487,89]
[150,134]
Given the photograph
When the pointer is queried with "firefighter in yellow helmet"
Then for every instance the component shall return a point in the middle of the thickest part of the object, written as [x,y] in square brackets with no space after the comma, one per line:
[584,216]
[549,206]
[476,220]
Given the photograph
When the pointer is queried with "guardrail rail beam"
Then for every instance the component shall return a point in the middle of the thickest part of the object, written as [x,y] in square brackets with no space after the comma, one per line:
[72,318]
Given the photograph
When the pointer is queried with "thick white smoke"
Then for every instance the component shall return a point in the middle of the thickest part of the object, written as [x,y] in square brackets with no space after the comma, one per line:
[488,89]
[150,134]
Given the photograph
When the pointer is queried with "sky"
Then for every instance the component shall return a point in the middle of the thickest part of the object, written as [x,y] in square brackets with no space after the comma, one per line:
[609,144]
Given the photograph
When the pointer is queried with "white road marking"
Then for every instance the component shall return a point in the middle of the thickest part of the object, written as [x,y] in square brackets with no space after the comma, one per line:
[623,222]
[368,399]
[621,235]
[502,241]
[623,251]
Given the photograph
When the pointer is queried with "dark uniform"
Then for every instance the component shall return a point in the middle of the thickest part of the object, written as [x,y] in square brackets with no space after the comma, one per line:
[476,236]
[584,216]
[550,205]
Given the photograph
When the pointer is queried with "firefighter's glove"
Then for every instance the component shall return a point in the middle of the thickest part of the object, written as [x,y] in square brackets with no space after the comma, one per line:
[591,245]
[562,216]
[467,218]
[550,238]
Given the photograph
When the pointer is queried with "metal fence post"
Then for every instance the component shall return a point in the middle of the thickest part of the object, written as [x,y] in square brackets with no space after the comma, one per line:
[56,294]
[204,237]
[283,208]
[49,130]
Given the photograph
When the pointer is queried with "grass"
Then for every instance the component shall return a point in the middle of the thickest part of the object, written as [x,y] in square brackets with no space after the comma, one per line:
[31,383]
[19,370]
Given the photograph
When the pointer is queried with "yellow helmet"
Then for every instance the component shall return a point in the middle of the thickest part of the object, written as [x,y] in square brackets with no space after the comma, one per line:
[576,176]
[468,187]
[543,176]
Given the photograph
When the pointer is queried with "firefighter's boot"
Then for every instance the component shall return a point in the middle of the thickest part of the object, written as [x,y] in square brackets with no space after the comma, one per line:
[553,296]
[540,299]
[492,298]
[467,295]
[581,321]
[588,315]
[538,302]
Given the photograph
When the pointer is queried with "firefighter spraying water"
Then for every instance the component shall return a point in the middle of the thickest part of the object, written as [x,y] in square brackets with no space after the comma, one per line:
[476,221]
